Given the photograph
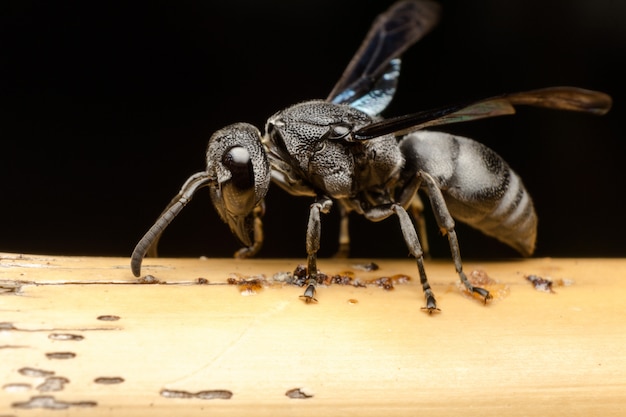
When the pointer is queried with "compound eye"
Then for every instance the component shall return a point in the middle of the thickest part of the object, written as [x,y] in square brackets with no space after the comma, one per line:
[238,161]
[338,131]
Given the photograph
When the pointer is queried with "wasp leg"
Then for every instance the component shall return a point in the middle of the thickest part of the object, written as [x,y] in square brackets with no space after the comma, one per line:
[309,292]
[257,224]
[383,211]
[446,225]
[413,243]
[344,234]
[313,234]
[416,209]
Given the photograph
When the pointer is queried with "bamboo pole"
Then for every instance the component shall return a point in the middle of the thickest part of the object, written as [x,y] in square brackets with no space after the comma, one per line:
[80,334]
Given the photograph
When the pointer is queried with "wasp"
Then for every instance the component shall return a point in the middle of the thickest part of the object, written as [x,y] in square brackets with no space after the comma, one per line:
[339,151]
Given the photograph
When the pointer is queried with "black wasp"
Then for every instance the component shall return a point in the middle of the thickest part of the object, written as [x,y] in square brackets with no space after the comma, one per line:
[340,151]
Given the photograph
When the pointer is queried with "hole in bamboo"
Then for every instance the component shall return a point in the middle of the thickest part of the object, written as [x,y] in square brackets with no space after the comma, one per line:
[299,393]
[16,387]
[109,380]
[53,383]
[60,355]
[50,403]
[108,317]
[35,372]
[65,336]
[204,395]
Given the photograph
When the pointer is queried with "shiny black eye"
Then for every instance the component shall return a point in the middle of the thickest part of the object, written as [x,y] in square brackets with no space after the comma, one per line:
[238,161]
[338,131]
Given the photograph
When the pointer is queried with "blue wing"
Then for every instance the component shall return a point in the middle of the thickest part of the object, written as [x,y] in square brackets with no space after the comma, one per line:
[369,82]
[373,100]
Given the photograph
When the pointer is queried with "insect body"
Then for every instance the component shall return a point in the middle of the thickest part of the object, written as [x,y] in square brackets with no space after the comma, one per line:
[339,151]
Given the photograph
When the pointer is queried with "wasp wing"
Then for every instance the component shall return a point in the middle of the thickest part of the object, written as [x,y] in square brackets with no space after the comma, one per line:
[369,82]
[564,98]
[560,98]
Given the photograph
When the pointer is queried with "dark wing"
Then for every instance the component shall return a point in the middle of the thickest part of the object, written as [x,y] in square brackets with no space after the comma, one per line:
[369,82]
[560,98]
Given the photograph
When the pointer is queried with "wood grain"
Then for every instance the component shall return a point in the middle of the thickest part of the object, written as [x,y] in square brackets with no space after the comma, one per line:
[84,336]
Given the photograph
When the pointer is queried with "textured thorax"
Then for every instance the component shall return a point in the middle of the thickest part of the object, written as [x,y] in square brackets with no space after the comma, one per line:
[302,141]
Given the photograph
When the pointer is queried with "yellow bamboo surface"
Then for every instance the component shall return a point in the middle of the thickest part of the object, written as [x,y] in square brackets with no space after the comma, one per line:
[82,336]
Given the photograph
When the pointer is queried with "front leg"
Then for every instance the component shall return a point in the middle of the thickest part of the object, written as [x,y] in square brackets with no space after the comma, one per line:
[313,234]
[257,228]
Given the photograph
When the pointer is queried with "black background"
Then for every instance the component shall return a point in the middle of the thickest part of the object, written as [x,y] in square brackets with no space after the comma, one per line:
[106,109]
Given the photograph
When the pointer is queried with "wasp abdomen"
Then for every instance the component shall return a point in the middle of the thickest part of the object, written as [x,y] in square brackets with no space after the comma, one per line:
[479,187]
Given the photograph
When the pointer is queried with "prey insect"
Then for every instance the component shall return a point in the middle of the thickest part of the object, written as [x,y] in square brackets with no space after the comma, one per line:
[340,151]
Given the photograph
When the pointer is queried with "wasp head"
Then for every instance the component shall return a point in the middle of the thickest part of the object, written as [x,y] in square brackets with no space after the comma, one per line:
[238,164]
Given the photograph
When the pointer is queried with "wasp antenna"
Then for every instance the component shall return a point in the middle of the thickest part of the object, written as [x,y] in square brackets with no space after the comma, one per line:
[195,182]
